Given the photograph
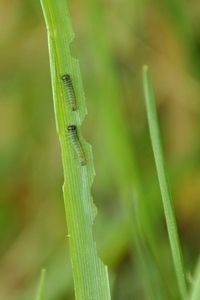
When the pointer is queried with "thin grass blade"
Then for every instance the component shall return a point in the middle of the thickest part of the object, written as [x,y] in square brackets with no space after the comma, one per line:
[195,292]
[164,186]
[40,292]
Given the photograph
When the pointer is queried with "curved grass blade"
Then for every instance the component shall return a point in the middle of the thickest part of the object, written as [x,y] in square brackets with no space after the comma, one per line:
[40,292]
[89,274]
[164,187]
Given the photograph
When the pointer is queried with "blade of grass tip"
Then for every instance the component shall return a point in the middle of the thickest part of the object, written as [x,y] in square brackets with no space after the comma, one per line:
[164,187]
[40,292]
[195,292]
[89,273]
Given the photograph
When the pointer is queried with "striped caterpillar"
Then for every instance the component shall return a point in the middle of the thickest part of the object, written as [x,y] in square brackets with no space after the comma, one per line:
[69,89]
[73,135]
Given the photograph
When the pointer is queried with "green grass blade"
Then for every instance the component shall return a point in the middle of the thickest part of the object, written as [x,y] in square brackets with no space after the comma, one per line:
[164,187]
[40,292]
[195,293]
[89,274]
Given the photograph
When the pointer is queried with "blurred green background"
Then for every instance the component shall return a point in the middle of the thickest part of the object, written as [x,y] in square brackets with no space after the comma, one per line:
[113,40]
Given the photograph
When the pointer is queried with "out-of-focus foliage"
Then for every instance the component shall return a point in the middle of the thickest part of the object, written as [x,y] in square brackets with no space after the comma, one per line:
[163,34]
